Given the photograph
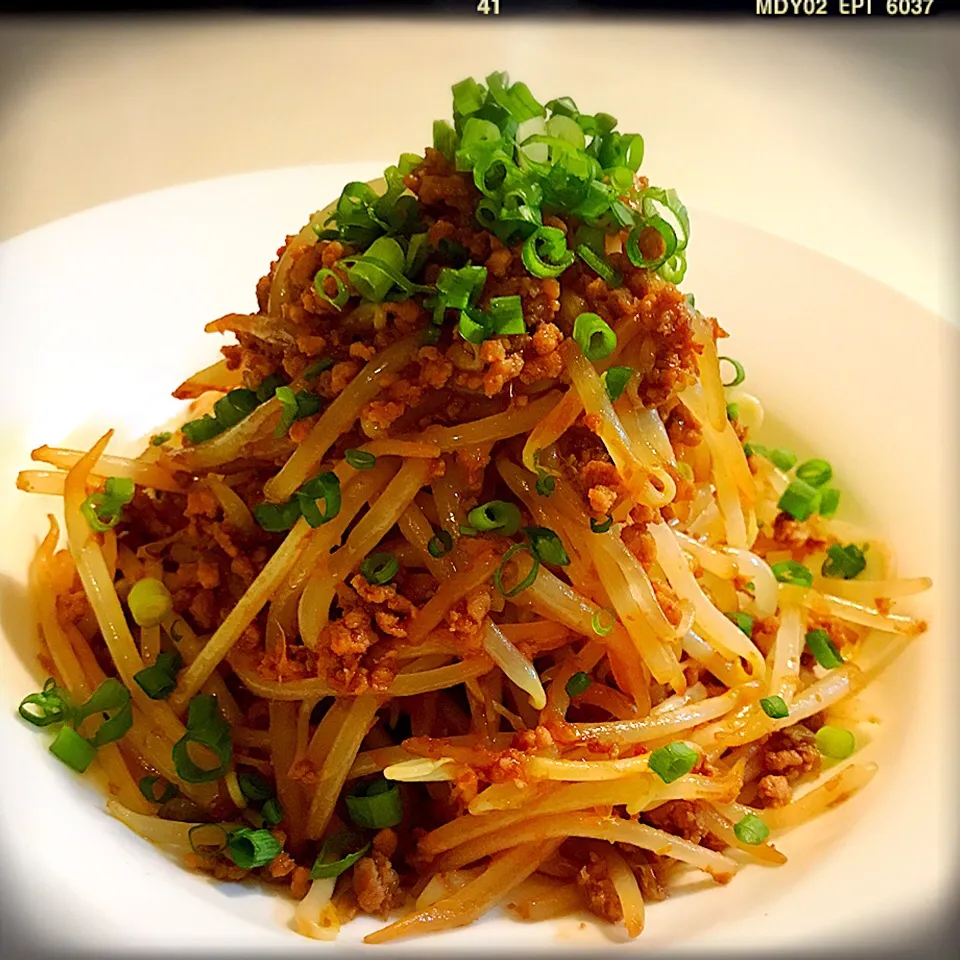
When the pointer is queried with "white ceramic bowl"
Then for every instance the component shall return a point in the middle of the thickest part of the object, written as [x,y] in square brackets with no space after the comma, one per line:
[102,315]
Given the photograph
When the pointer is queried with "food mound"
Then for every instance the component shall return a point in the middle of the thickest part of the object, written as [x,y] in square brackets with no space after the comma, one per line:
[467,583]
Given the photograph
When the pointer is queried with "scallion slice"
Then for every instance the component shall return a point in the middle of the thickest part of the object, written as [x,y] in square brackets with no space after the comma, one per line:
[376,805]
[751,830]
[843,562]
[159,680]
[380,568]
[333,859]
[207,729]
[815,472]
[148,787]
[440,544]
[545,252]
[789,571]
[577,683]
[498,516]
[601,526]
[593,334]
[277,517]
[342,295]
[547,545]
[744,621]
[325,487]
[739,375]
[673,761]
[70,748]
[823,649]
[800,500]
[603,621]
[111,701]
[774,707]
[250,849]
[616,380]
[527,580]
[360,459]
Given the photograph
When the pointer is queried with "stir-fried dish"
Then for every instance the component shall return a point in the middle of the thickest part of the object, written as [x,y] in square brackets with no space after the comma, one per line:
[467,582]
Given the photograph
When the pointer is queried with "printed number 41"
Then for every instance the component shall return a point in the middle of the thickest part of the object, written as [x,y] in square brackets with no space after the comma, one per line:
[488,6]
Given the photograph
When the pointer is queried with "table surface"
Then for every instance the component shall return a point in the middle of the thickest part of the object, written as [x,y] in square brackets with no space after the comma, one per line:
[839,137]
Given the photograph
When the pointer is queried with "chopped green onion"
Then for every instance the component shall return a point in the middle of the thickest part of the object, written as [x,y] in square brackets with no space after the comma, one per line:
[751,830]
[53,703]
[789,571]
[360,459]
[616,380]
[547,545]
[212,844]
[112,701]
[603,622]
[295,406]
[546,485]
[733,411]
[254,787]
[744,621]
[473,326]
[150,602]
[234,406]
[468,97]
[314,371]
[440,544]
[206,728]
[600,265]
[506,314]
[823,649]
[530,577]
[458,289]
[148,787]
[467,531]
[829,501]
[102,510]
[72,749]
[602,526]
[578,683]
[673,761]
[596,339]
[159,680]
[815,472]
[774,707]
[325,867]
[779,457]
[837,743]
[199,431]
[380,568]
[376,805]
[545,252]
[739,375]
[685,470]
[667,234]
[800,500]
[277,517]
[268,387]
[498,515]
[325,487]
[159,439]
[342,295]
[272,812]
[843,562]
[250,849]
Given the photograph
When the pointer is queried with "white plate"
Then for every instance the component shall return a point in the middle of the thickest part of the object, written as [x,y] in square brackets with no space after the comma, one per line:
[102,315]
